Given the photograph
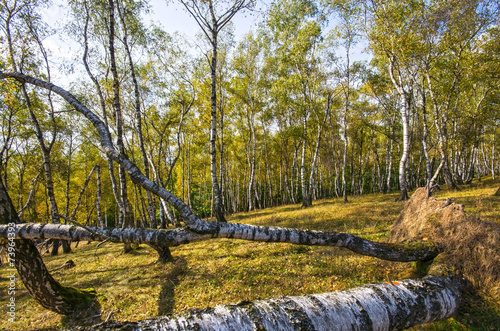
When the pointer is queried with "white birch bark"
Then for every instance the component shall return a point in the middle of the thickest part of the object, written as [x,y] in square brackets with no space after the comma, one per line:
[305,194]
[403,252]
[370,307]
[405,113]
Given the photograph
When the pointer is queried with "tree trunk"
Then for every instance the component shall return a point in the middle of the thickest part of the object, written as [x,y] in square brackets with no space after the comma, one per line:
[389,165]
[305,194]
[412,250]
[126,213]
[163,251]
[218,211]
[370,307]
[251,159]
[405,113]
[425,133]
[493,156]
[268,170]
[102,222]
[441,127]
[344,163]
[138,119]
[104,113]
[316,152]
[24,255]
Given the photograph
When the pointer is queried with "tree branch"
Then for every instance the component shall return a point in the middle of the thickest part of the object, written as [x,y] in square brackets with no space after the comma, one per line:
[403,252]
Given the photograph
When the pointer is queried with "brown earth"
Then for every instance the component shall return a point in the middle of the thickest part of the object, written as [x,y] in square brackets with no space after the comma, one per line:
[470,245]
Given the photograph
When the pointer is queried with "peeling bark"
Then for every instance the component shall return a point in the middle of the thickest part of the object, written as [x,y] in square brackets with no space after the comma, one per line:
[404,252]
[370,307]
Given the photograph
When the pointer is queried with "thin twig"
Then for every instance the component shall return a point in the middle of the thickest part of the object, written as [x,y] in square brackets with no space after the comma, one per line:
[103,242]
[109,315]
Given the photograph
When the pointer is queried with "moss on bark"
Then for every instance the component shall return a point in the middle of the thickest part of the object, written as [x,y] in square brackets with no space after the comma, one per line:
[78,298]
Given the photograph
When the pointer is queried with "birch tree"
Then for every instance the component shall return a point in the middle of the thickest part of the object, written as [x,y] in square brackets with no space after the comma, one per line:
[212,17]
[390,37]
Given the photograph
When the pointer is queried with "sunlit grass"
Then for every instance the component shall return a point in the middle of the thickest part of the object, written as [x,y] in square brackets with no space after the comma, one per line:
[132,287]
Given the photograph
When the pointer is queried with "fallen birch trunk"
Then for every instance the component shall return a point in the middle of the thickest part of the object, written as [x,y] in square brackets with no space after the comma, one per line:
[403,252]
[370,307]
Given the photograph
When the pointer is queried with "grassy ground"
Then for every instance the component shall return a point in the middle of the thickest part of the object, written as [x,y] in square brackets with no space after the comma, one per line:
[132,287]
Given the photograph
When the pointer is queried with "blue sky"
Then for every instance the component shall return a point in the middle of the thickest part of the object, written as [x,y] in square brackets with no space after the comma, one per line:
[170,15]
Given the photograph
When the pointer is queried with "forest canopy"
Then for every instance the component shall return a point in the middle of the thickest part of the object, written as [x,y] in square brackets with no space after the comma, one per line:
[287,114]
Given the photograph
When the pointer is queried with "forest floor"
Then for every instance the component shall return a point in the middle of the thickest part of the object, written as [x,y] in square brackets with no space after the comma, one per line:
[132,287]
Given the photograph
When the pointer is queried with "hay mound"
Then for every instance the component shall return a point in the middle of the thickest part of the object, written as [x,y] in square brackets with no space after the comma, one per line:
[470,245]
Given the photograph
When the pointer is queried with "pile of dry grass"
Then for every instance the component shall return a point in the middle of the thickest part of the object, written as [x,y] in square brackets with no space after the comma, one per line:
[470,245]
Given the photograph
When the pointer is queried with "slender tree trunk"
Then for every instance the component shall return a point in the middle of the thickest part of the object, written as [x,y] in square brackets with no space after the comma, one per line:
[98,198]
[292,179]
[218,211]
[45,149]
[82,191]
[344,164]
[316,152]
[425,134]
[305,194]
[68,175]
[493,155]
[104,115]
[441,127]
[388,163]
[138,118]
[405,113]
[126,212]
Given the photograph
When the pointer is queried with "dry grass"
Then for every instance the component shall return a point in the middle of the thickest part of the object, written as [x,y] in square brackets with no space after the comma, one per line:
[222,271]
[470,245]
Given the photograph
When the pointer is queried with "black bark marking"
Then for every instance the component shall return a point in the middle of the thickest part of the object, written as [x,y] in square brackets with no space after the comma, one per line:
[299,318]
[364,319]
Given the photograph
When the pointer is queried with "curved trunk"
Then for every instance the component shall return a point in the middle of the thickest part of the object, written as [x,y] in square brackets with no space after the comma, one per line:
[24,255]
[404,156]
[251,163]
[405,113]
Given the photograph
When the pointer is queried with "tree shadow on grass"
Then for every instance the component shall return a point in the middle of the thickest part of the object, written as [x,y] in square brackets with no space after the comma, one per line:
[166,301]
[86,315]
[476,313]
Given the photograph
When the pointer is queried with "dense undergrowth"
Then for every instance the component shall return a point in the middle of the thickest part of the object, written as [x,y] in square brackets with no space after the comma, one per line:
[132,287]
